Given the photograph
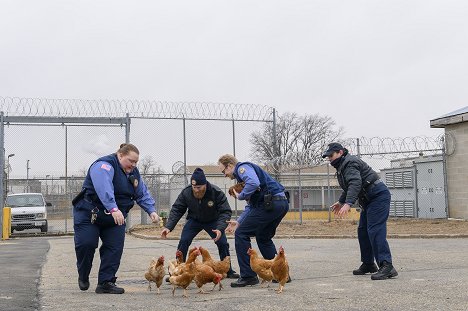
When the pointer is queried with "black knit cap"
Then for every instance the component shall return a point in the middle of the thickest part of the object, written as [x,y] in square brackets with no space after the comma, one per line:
[198,177]
[333,147]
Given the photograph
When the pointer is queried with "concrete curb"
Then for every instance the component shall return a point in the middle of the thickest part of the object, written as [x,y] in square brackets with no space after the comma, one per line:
[324,236]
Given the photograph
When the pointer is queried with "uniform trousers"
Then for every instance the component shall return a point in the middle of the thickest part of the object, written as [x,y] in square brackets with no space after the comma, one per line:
[86,241]
[261,224]
[192,228]
[372,229]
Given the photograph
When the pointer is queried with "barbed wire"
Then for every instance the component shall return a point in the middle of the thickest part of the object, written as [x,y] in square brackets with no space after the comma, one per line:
[143,109]
[390,148]
[375,147]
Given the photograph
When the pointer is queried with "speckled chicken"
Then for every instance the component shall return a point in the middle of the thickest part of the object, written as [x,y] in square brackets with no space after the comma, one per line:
[155,272]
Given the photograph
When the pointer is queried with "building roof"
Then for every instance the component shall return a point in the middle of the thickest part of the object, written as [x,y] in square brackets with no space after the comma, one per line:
[454,117]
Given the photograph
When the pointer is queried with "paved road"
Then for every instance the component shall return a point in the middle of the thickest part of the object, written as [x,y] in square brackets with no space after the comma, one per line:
[433,276]
[21,261]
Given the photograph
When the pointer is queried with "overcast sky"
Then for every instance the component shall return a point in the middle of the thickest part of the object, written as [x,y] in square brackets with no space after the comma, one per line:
[379,68]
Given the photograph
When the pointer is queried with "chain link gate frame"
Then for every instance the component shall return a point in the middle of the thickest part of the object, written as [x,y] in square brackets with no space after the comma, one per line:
[100,113]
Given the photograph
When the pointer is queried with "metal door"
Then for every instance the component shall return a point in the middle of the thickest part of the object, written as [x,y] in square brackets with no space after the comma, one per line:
[431,191]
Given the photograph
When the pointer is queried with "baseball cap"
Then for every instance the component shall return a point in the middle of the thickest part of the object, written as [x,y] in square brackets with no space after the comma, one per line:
[333,147]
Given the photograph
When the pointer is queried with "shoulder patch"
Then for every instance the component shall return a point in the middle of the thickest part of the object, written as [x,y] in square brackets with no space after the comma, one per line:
[242,170]
[106,167]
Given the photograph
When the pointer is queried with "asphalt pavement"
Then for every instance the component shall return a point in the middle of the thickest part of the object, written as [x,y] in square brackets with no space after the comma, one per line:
[21,261]
[433,275]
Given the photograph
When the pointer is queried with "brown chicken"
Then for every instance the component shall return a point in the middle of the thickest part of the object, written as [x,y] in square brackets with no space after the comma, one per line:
[177,270]
[155,272]
[261,266]
[219,266]
[184,278]
[205,274]
[280,269]
[173,264]
[238,187]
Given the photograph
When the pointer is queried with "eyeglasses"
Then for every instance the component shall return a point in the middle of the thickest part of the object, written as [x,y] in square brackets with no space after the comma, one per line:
[224,171]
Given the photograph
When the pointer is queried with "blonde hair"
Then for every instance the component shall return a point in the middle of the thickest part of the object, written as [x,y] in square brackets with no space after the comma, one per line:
[125,149]
[228,159]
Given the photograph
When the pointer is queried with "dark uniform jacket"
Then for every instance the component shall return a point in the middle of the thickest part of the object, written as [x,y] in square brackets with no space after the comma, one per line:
[213,207]
[354,176]
[124,188]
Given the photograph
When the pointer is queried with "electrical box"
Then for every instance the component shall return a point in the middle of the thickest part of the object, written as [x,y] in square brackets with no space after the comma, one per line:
[417,186]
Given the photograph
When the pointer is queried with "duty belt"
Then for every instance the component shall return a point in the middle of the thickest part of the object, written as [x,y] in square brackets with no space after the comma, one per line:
[278,198]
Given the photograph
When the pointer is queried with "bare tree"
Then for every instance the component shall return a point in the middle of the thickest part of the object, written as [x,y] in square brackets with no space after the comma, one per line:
[300,139]
[146,164]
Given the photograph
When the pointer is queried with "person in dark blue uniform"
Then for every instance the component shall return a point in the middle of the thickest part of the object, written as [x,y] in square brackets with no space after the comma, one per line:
[110,189]
[208,209]
[267,205]
[359,181]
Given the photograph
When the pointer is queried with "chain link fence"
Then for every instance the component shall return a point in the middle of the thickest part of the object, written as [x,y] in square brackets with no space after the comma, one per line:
[49,144]
[412,168]
[49,147]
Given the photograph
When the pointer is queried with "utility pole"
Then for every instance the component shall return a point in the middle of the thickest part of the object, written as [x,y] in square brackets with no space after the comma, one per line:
[46,185]
[8,172]
[27,175]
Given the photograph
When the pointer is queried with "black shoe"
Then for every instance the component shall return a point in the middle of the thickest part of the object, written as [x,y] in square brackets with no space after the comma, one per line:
[288,281]
[109,288]
[84,285]
[232,274]
[386,271]
[242,282]
[167,279]
[366,268]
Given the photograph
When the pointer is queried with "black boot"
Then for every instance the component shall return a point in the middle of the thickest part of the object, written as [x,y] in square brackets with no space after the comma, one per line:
[365,268]
[386,271]
[242,282]
[109,287]
[232,274]
[84,285]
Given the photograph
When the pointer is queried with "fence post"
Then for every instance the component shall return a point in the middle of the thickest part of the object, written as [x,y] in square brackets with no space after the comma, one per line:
[300,197]
[328,192]
[2,167]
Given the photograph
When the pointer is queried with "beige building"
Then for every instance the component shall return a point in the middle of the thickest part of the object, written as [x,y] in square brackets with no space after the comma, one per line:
[308,187]
[456,142]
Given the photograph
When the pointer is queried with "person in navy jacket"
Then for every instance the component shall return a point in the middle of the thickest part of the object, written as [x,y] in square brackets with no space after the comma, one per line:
[207,209]
[361,183]
[110,189]
[267,205]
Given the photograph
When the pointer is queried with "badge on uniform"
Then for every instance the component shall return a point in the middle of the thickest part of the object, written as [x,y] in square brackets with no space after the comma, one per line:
[133,181]
[210,203]
[242,170]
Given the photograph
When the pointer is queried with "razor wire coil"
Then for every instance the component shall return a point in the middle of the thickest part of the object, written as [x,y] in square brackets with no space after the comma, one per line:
[374,147]
[144,109]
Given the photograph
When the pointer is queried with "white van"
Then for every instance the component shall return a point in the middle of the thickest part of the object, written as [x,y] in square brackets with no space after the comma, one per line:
[28,211]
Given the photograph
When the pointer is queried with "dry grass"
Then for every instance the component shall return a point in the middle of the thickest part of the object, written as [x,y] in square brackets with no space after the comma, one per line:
[341,228]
